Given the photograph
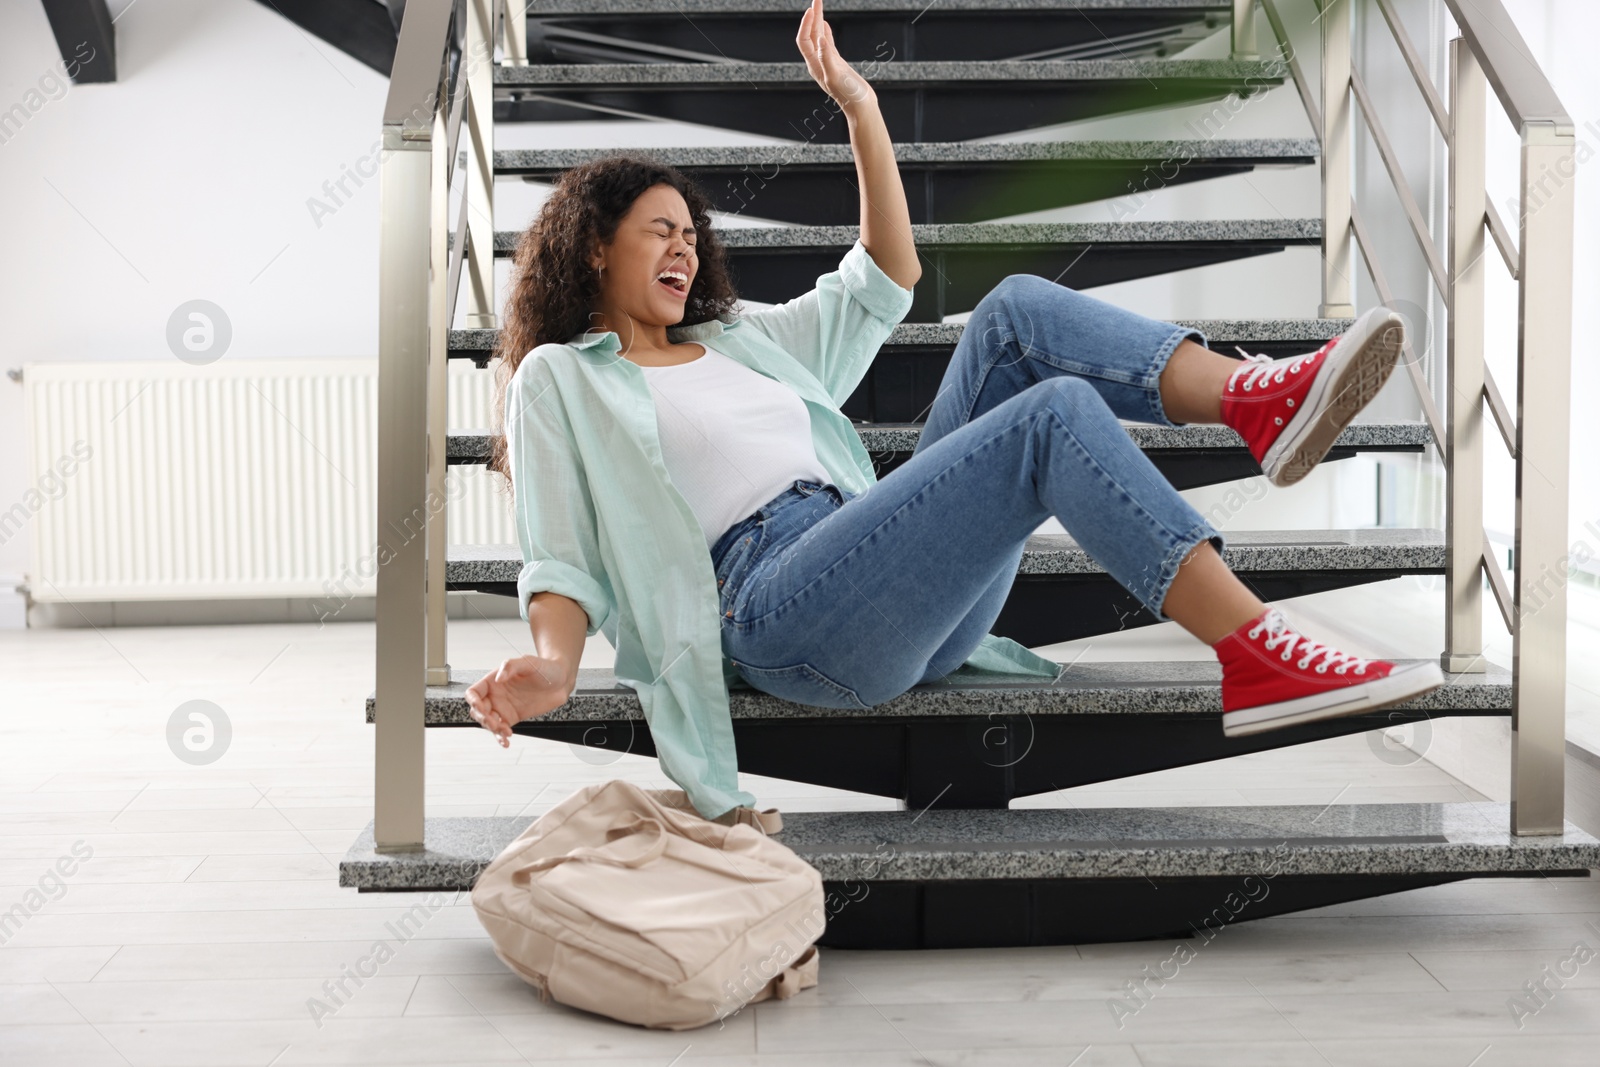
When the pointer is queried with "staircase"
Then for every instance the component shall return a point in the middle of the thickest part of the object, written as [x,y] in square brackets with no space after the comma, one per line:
[959,867]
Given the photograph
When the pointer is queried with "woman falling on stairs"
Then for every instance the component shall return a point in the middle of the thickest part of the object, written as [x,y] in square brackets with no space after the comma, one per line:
[685,482]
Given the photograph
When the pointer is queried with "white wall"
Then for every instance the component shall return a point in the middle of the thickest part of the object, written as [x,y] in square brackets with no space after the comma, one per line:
[187,178]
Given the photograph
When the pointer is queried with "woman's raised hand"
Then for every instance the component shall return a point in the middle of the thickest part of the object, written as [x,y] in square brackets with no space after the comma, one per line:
[522,688]
[837,78]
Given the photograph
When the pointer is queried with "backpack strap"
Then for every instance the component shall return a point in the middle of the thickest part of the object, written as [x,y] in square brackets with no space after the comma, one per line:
[650,832]
[801,974]
[768,820]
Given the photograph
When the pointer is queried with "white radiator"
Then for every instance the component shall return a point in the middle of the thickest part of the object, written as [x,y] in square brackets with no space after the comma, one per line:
[246,478]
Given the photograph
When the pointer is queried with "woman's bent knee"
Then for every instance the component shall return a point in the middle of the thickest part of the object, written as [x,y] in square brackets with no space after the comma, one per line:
[1066,396]
[1017,298]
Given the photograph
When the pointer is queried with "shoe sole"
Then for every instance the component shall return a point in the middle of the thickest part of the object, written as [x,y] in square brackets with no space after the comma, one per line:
[1401,684]
[1352,375]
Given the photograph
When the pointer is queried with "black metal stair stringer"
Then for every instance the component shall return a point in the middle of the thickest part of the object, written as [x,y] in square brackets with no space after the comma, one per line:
[358,28]
[575,31]
[919,101]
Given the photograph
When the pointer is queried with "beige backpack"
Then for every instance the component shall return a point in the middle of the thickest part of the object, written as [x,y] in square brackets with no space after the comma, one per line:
[627,902]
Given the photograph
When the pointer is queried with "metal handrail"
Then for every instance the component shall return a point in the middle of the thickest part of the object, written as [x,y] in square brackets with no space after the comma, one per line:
[1502,414]
[1430,411]
[1408,200]
[418,79]
[1518,80]
[1242,40]
[1308,99]
[514,35]
[1497,585]
[1502,237]
[434,94]
[1408,52]
[1540,261]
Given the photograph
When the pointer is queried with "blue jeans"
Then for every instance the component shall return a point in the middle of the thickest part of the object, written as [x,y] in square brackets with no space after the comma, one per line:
[842,600]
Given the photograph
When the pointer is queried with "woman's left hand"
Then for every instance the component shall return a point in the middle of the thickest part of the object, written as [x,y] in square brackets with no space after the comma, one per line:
[837,78]
[523,687]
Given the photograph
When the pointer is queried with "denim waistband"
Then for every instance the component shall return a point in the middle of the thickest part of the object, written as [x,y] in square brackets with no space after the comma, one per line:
[799,490]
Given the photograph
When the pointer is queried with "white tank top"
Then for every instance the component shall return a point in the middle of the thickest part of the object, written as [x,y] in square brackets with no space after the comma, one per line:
[731,438]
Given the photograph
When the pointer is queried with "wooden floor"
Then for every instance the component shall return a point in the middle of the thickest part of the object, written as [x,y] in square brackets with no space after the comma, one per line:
[206,928]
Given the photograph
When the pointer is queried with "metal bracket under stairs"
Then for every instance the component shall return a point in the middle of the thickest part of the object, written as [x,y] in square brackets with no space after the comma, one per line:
[87,39]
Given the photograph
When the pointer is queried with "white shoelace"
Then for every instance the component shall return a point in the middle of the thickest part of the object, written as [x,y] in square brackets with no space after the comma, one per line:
[1281,633]
[1259,367]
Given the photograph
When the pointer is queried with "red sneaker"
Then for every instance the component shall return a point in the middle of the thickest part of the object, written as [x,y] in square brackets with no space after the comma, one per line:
[1273,676]
[1289,412]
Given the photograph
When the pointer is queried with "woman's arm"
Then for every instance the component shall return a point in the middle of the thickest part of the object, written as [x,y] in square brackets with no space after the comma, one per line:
[524,687]
[560,585]
[885,218]
[528,686]
[559,625]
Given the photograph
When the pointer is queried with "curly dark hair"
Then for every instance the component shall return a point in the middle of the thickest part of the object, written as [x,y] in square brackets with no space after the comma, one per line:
[553,288]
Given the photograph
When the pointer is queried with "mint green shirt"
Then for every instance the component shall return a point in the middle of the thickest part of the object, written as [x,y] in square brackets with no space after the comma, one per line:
[599,521]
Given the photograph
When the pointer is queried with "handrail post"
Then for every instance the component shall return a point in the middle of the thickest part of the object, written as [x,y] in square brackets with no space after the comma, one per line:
[478,118]
[1337,262]
[1463,445]
[480,164]
[1544,382]
[412,136]
[434,517]
[515,46]
[1244,30]
[402,462]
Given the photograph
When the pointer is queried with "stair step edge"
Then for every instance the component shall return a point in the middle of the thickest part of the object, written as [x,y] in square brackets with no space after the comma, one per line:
[1231,149]
[1386,548]
[700,75]
[949,333]
[902,437]
[1073,843]
[1184,687]
[984,235]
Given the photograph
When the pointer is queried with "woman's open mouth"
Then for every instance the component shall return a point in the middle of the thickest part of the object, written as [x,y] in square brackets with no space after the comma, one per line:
[675,281]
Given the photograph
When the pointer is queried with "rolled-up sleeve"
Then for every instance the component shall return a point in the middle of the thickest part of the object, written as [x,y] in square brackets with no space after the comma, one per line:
[554,512]
[836,329]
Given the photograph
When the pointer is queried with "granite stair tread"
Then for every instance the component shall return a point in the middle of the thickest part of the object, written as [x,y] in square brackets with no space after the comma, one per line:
[935,237]
[932,73]
[470,445]
[470,343]
[1287,150]
[946,182]
[1073,843]
[1174,687]
[1385,549]
[841,7]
